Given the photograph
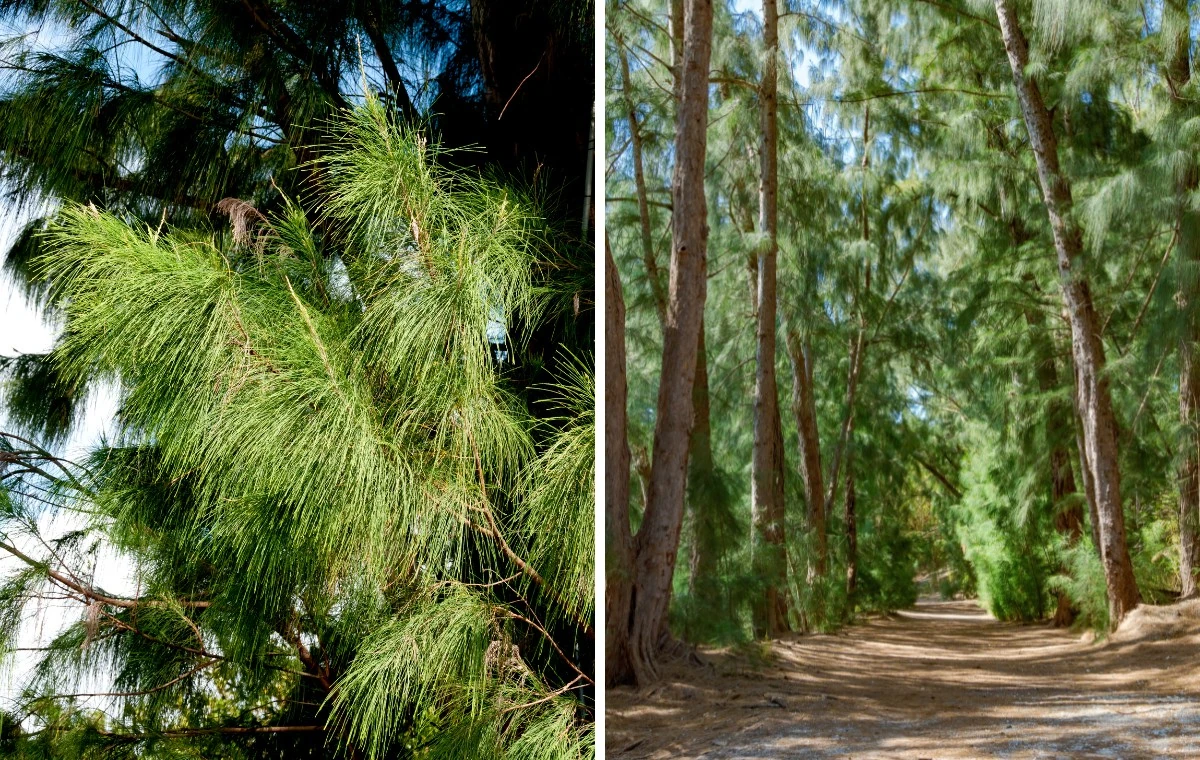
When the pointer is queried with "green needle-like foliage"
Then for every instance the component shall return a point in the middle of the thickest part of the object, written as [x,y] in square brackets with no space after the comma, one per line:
[910,216]
[335,498]
[557,516]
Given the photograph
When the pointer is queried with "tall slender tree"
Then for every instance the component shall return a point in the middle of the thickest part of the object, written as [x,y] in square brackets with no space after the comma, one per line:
[804,410]
[1177,73]
[658,537]
[619,545]
[766,471]
[1092,386]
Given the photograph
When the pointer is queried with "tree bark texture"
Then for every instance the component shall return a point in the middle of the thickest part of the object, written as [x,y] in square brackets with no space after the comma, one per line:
[1095,401]
[1089,489]
[1189,469]
[619,564]
[658,538]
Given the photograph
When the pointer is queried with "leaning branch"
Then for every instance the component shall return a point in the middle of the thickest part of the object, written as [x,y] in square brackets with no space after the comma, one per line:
[918,91]
[160,687]
[546,634]
[122,625]
[96,11]
[384,53]
[91,593]
[935,472]
[960,12]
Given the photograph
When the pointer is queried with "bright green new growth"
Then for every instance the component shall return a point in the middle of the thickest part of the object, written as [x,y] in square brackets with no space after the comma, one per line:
[322,448]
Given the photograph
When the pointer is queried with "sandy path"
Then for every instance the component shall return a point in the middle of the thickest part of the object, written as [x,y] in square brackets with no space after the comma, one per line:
[943,680]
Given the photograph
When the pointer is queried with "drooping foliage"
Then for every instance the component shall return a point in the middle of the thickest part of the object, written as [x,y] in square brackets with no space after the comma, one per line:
[355,528]
[330,259]
[160,110]
[173,105]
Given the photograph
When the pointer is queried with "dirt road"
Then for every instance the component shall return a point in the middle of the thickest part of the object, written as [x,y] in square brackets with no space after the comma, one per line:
[941,681]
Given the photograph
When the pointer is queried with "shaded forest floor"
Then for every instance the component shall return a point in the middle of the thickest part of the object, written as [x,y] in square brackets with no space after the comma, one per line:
[942,680]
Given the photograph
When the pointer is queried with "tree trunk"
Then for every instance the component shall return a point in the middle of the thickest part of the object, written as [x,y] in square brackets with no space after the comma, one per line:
[1095,402]
[619,559]
[857,349]
[1089,489]
[677,45]
[1189,405]
[804,409]
[858,343]
[1068,517]
[658,539]
[1189,470]
[702,561]
[766,467]
[1176,28]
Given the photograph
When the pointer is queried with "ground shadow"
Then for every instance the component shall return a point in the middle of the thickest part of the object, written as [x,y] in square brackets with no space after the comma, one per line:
[942,680]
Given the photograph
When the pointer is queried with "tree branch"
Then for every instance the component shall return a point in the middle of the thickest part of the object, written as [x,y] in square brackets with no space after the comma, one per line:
[185,732]
[268,21]
[935,472]
[370,22]
[93,594]
[918,91]
[961,12]
[548,637]
[493,530]
[158,688]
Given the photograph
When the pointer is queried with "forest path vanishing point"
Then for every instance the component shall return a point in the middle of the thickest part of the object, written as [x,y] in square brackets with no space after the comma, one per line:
[942,680]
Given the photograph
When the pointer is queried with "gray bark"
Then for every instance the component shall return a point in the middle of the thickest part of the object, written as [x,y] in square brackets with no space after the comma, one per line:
[1095,401]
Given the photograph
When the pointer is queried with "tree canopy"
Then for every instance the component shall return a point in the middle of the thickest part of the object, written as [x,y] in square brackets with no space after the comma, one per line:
[936,410]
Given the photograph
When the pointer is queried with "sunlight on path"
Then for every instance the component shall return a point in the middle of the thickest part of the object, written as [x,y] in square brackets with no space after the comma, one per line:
[932,610]
[942,681]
